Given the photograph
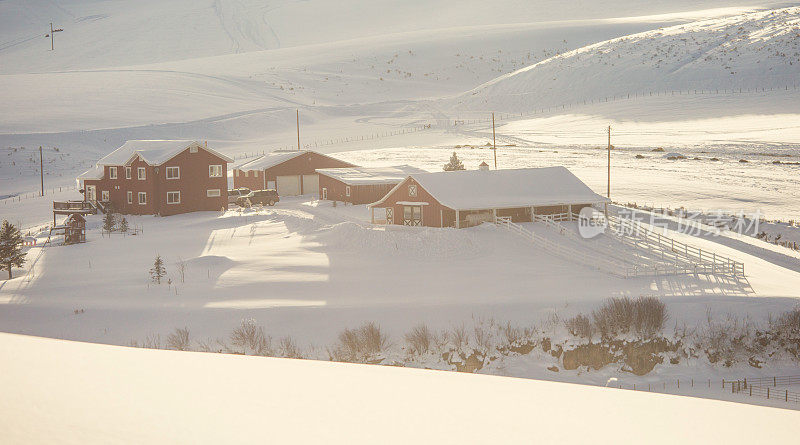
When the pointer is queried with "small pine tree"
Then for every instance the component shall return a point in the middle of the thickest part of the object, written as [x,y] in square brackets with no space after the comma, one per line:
[109,222]
[158,271]
[123,225]
[10,247]
[454,164]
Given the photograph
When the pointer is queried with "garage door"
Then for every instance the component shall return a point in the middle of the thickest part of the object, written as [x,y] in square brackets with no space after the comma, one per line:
[288,185]
[311,185]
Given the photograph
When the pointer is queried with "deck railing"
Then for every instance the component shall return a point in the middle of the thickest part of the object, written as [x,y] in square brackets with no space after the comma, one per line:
[72,205]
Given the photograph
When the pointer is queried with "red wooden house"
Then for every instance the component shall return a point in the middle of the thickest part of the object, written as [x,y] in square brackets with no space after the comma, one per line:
[290,172]
[467,198]
[361,185]
[159,178]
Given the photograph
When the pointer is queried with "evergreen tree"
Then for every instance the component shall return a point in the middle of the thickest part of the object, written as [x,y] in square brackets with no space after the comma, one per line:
[10,247]
[123,225]
[158,271]
[454,164]
[109,221]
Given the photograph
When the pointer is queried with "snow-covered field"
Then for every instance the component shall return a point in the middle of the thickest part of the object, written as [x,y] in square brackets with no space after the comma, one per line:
[125,395]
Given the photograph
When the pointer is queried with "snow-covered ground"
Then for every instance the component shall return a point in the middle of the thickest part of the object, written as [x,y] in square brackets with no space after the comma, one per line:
[65,392]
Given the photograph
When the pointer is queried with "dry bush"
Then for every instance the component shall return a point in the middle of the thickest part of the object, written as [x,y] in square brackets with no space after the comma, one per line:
[512,335]
[249,339]
[483,335]
[644,316]
[419,340]
[789,321]
[580,326]
[459,337]
[727,341]
[179,340]
[360,345]
[288,348]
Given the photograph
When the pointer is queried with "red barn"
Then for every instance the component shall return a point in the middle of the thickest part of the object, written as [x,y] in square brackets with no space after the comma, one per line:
[159,178]
[361,185]
[289,172]
[468,198]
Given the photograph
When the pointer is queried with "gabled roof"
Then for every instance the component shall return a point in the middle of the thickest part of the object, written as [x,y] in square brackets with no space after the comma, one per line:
[95,172]
[276,157]
[523,187]
[370,175]
[153,152]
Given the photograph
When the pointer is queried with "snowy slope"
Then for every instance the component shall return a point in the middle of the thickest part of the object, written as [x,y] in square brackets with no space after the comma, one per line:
[760,49]
[65,392]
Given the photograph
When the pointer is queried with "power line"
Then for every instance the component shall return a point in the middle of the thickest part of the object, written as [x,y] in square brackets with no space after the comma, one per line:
[52,35]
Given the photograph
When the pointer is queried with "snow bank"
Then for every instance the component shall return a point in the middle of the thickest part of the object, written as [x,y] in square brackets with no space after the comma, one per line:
[66,392]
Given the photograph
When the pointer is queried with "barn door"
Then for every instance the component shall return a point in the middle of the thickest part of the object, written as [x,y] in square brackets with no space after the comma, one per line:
[389,215]
[412,215]
[91,193]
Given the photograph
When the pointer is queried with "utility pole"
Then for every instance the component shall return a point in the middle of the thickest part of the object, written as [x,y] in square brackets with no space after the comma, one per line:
[609,163]
[494,143]
[41,168]
[52,36]
[298,130]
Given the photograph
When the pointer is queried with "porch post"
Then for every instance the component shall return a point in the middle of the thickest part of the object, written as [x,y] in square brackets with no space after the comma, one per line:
[570,212]
[458,221]
[441,218]
[372,210]
[533,213]
[494,215]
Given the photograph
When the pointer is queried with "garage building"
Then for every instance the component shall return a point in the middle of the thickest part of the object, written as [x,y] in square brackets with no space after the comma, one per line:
[291,173]
[467,198]
[361,185]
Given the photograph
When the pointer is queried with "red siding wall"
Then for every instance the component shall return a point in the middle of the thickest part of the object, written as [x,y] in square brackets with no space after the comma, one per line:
[193,183]
[305,164]
[359,194]
[433,215]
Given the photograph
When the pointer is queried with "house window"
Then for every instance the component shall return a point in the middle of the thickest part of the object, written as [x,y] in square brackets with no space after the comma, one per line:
[271,185]
[347,190]
[255,173]
[104,195]
[141,173]
[127,173]
[142,198]
[324,193]
[193,149]
[212,193]
[235,171]
[173,173]
[173,197]
[246,173]
[130,197]
[112,172]
[215,171]
[412,190]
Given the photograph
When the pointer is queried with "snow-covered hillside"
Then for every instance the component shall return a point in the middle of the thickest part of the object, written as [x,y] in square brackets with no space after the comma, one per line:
[754,50]
[65,392]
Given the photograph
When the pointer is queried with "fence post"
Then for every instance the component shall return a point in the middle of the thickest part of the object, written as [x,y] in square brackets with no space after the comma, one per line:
[768,392]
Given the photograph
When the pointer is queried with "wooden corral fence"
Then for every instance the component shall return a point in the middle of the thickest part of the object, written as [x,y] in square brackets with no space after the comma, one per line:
[765,387]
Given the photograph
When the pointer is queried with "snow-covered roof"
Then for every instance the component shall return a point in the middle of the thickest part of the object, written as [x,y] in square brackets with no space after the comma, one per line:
[271,159]
[524,187]
[370,175]
[153,152]
[95,172]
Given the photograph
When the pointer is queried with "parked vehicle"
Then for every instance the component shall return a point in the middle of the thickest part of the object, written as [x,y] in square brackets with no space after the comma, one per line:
[263,197]
[235,194]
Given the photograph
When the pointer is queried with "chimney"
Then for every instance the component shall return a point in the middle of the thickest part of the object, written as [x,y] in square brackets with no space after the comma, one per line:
[484,166]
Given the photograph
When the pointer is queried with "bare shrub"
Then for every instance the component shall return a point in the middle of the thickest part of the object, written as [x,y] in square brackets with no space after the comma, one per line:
[249,339]
[580,326]
[359,345]
[651,316]
[483,335]
[179,340]
[512,335]
[644,316]
[459,337]
[419,340]
[789,321]
[727,341]
[288,348]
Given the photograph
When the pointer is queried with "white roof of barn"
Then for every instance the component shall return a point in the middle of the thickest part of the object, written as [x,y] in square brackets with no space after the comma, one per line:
[370,175]
[271,159]
[153,152]
[524,187]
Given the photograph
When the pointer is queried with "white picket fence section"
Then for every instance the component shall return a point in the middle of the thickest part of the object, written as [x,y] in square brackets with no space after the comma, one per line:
[641,252]
[635,234]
